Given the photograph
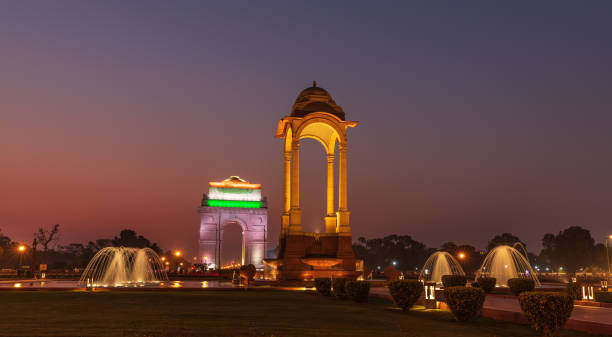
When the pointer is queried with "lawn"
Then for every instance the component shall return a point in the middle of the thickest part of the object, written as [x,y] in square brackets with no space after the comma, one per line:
[224,313]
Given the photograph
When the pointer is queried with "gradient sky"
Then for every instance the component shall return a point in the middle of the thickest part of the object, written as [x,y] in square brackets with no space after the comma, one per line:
[476,118]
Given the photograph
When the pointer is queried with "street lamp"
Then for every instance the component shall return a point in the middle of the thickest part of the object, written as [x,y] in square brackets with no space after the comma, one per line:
[608,254]
[461,256]
[177,253]
[21,249]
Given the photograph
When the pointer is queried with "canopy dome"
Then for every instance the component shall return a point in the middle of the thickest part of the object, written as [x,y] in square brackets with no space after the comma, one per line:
[315,99]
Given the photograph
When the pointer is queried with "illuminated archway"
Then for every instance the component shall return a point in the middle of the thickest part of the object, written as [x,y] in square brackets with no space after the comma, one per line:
[233,201]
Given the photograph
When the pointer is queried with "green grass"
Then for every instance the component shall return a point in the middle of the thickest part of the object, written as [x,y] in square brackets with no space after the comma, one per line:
[223,313]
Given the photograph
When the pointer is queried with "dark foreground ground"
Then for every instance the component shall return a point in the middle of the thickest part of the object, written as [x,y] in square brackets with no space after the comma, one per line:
[227,313]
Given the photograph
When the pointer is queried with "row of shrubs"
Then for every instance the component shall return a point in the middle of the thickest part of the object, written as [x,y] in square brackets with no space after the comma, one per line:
[546,311]
[343,288]
[516,285]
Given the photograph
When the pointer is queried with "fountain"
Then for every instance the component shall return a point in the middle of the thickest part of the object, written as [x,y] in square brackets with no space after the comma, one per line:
[438,265]
[121,266]
[505,262]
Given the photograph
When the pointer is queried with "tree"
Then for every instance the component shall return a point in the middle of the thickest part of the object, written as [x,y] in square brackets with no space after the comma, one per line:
[572,249]
[504,239]
[128,238]
[471,258]
[449,247]
[46,237]
[408,254]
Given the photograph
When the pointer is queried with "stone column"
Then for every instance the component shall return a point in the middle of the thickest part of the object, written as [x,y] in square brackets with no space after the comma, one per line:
[343,213]
[287,196]
[295,215]
[330,218]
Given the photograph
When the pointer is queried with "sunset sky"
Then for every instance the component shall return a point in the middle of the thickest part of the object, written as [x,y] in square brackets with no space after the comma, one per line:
[475,118]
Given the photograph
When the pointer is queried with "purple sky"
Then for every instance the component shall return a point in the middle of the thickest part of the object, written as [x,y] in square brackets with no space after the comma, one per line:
[475,119]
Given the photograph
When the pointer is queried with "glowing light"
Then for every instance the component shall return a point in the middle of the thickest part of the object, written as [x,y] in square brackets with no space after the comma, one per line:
[234,182]
[461,256]
[234,203]
[177,253]
[21,248]
[17,285]
[204,284]
[234,194]
[163,258]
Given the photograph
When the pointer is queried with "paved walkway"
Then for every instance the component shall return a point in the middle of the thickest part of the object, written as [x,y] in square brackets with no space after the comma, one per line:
[584,318]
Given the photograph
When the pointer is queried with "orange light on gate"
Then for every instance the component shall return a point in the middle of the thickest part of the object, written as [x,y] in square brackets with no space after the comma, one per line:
[234,184]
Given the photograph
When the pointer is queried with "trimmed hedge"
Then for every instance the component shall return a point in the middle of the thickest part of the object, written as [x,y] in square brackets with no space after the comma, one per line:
[453,281]
[574,290]
[358,291]
[339,287]
[405,293]
[603,296]
[546,311]
[323,285]
[465,303]
[487,283]
[519,285]
[391,274]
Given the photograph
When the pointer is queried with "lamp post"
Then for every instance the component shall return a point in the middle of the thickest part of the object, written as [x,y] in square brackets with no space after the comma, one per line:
[607,254]
[21,249]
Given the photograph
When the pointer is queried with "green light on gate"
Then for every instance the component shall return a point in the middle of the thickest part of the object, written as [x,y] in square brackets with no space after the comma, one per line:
[234,203]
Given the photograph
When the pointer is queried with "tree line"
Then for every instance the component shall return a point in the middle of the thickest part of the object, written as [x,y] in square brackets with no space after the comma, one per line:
[45,250]
[571,250]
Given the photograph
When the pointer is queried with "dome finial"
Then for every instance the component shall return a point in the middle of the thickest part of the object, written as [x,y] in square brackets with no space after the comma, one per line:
[314,84]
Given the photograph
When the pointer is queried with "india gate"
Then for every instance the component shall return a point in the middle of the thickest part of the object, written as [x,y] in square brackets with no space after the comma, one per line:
[301,255]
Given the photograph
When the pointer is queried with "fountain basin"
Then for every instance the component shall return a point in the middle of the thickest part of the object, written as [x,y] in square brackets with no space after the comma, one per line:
[321,262]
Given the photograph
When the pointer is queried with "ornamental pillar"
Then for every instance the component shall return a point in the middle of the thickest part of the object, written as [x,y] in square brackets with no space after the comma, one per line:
[330,218]
[343,213]
[295,213]
[287,196]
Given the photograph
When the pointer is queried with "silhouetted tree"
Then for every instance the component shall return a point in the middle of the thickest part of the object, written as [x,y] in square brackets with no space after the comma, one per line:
[572,249]
[45,237]
[504,239]
[407,253]
[449,247]
[128,238]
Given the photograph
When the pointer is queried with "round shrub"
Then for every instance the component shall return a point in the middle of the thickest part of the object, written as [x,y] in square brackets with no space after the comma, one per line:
[519,285]
[574,290]
[465,303]
[603,296]
[247,273]
[358,291]
[487,283]
[339,287]
[391,274]
[453,281]
[323,285]
[405,293]
[546,311]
